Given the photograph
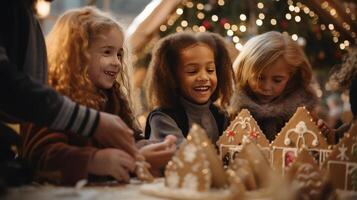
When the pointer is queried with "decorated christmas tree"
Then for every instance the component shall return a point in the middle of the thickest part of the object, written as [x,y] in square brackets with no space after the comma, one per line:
[325,28]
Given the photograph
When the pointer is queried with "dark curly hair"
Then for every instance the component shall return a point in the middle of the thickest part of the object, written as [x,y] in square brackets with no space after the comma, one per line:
[162,82]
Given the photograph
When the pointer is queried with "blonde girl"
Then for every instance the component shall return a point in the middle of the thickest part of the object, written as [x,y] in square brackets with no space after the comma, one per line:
[273,79]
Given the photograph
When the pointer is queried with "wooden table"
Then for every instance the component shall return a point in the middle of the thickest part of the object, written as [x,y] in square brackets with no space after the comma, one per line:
[50,192]
[113,192]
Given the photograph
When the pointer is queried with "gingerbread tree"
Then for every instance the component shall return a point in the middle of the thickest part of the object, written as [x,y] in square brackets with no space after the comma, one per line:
[195,166]
[299,131]
[305,176]
[342,162]
[243,129]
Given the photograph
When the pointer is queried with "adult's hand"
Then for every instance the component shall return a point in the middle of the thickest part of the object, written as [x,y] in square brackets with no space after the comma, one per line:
[113,132]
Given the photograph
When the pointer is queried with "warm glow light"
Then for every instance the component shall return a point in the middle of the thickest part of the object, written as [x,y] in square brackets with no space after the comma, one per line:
[242,17]
[331,26]
[259,22]
[291,8]
[227,26]
[297,9]
[184,23]
[179,29]
[235,39]
[202,29]
[239,46]
[294,37]
[261,16]
[43,8]
[323,27]
[306,10]
[200,6]
[333,12]
[324,5]
[335,39]
[288,16]
[230,33]
[163,28]
[297,18]
[189,4]
[342,46]
[243,28]
[273,22]
[260,5]
[221,2]
[200,15]
[234,27]
[179,11]
[347,43]
[214,18]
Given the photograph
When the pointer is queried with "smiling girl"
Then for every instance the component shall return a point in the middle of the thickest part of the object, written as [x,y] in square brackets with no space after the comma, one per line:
[88,63]
[188,73]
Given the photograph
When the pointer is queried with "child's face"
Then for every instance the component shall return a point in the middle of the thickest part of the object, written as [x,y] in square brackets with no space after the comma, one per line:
[105,58]
[197,73]
[271,82]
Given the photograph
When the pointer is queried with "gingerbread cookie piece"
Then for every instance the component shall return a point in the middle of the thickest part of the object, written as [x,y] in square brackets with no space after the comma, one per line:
[195,165]
[243,129]
[306,177]
[300,131]
[342,162]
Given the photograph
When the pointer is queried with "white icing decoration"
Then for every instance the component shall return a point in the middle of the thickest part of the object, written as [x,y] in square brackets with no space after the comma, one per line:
[189,153]
[190,182]
[300,130]
[287,141]
[245,139]
[178,162]
[315,142]
[172,180]
[342,155]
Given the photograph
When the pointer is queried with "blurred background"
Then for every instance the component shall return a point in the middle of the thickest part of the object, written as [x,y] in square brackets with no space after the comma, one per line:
[325,29]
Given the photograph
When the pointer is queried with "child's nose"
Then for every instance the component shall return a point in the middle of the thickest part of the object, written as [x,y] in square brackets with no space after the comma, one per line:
[266,86]
[116,61]
[203,76]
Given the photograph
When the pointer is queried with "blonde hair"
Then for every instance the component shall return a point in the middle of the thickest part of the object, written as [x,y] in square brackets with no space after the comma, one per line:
[161,79]
[68,46]
[263,50]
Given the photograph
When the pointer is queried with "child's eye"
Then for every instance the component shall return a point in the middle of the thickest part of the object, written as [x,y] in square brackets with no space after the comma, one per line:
[107,52]
[119,55]
[277,80]
[190,72]
[211,71]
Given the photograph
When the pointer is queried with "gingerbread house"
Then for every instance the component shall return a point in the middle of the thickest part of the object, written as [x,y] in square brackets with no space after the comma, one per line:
[243,129]
[299,131]
[194,172]
[342,162]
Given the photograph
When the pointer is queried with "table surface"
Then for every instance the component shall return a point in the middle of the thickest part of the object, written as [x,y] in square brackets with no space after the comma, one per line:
[50,192]
[103,192]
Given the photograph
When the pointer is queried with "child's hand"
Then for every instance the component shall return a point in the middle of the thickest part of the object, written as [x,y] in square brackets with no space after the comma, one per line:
[159,154]
[112,162]
[326,130]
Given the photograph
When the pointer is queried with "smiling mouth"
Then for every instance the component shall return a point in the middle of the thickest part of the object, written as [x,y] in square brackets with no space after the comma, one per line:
[110,73]
[202,88]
